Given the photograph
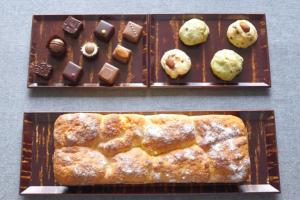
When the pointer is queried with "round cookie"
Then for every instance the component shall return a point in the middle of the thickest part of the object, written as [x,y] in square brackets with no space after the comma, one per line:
[194,31]
[242,33]
[176,63]
[226,64]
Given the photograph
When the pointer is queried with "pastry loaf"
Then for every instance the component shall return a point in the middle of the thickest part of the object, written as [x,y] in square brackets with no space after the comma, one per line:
[138,149]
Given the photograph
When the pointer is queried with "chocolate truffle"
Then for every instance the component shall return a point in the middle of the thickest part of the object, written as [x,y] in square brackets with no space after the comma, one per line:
[57,46]
[72,72]
[42,69]
[108,73]
[72,26]
[104,31]
[89,49]
[132,32]
[122,54]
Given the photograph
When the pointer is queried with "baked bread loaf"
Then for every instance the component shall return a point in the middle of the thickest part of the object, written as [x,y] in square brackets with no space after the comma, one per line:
[138,149]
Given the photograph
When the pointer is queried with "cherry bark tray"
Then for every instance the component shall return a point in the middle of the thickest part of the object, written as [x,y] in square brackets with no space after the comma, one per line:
[164,30]
[133,74]
[36,176]
[160,33]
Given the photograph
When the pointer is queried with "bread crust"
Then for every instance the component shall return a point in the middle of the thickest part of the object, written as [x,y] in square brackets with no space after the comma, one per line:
[138,149]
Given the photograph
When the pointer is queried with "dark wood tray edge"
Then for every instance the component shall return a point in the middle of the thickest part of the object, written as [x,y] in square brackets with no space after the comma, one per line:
[270,152]
[25,162]
[267,68]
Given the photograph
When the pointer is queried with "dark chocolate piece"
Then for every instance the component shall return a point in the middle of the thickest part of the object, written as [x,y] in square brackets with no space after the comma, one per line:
[57,46]
[42,69]
[104,31]
[108,73]
[132,32]
[72,26]
[72,71]
[122,54]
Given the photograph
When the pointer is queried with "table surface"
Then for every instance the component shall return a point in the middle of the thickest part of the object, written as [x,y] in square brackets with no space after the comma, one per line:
[283,97]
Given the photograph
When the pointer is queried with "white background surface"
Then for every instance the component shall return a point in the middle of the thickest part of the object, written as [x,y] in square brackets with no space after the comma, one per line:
[283,32]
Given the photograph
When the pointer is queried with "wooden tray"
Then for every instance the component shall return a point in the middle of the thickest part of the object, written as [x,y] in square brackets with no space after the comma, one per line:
[164,30]
[37,171]
[160,34]
[133,74]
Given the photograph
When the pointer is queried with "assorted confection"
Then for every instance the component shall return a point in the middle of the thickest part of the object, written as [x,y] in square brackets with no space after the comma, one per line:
[226,64]
[104,31]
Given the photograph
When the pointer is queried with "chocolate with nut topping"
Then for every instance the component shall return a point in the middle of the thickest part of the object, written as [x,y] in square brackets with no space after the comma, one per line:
[89,49]
[104,31]
[56,46]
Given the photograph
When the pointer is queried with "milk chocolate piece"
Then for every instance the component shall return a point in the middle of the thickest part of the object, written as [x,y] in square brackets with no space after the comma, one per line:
[42,69]
[104,31]
[122,54]
[132,32]
[108,73]
[57,46]
[72,72]
[72,26]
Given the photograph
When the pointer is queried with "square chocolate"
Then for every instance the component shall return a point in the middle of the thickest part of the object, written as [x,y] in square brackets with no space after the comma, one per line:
[104,31]
[72,26]
[122,54]
[72,72]
[108,73]
[132,32]
[42,69]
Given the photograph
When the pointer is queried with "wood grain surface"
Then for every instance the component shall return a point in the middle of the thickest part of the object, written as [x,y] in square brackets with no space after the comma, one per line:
[37,177]
[160,33]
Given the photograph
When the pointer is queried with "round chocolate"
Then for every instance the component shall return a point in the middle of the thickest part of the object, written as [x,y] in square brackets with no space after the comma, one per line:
[57,46]
[89,48]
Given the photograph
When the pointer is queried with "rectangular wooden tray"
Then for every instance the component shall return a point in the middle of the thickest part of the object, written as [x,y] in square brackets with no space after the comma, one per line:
[36,176]
[160,34]
[133,74]
[164,30]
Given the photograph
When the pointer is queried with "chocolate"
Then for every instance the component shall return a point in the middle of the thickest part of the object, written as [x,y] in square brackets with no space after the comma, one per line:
[104,31]
[132,32]
[72,72]
[72,26]
[42,69]
[89,49]
[122,54]
[57,46]
[108,73]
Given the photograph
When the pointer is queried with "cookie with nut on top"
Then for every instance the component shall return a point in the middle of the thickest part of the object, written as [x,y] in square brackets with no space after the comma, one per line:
[176,63]
[242,33]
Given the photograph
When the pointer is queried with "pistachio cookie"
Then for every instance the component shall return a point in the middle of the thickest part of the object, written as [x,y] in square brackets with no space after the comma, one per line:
[194,31]
[226,64]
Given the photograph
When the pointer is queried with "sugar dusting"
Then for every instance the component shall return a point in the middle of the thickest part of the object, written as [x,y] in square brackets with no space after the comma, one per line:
[128,164]
[216,132]
[84,171]
[87,131]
